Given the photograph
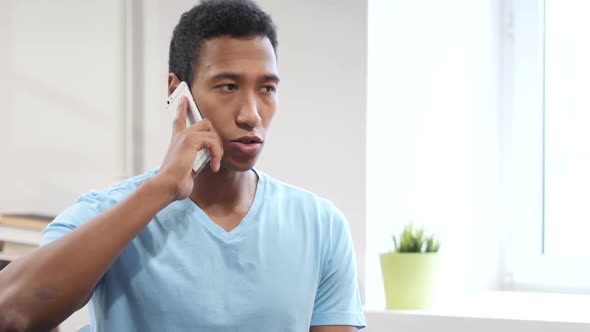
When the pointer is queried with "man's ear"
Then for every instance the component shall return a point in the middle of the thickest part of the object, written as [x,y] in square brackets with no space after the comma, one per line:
[173,82]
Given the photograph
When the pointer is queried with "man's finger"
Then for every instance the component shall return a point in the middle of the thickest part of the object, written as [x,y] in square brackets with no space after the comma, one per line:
[216,153]
[203,125]
[211,143]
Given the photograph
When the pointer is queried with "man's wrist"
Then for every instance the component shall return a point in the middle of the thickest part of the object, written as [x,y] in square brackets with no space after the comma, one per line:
[163,186]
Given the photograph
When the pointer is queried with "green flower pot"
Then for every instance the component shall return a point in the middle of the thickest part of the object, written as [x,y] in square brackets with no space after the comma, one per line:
[409,279]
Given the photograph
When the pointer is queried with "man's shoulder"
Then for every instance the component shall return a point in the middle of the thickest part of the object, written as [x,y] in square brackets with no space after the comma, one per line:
[90,205]
[279,187]
[119,190]
[285,193]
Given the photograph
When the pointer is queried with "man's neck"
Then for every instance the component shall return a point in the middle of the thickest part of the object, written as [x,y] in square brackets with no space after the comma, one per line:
[224,192]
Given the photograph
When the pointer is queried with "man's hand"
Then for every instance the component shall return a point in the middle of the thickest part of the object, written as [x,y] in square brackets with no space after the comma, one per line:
[176,171]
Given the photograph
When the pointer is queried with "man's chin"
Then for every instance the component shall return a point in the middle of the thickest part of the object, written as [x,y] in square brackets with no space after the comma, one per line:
[239,165]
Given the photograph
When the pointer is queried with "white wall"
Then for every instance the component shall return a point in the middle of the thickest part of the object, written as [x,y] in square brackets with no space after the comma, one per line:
[318,134]
[61,123]
[432,134]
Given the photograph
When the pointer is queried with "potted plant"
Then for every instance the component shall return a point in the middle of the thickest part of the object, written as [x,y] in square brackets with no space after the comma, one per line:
[409,272]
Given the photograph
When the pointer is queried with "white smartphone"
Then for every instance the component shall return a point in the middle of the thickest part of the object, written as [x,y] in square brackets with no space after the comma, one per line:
[192,116]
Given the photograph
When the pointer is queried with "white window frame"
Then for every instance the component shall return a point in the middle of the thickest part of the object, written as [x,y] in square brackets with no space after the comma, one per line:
[526,268]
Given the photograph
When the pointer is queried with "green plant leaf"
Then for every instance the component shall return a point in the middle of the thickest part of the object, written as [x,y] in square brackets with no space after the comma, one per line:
[414,239]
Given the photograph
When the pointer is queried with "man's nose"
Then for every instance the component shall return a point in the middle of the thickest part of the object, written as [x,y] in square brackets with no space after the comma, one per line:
[249,115]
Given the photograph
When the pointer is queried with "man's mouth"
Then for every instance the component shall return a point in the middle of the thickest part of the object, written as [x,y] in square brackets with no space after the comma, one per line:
[247,145]
[251,139]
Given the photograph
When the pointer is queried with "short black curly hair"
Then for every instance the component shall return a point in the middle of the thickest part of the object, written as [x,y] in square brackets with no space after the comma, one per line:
[215,18]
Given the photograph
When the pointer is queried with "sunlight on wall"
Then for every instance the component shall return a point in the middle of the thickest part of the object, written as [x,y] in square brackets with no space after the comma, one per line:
[432,135]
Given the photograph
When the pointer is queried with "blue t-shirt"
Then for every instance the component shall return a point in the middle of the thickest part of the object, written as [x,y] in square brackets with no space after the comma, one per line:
[287,266]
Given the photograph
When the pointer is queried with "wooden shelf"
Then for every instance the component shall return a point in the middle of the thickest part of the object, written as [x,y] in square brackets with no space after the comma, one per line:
[7,257]
[20,235]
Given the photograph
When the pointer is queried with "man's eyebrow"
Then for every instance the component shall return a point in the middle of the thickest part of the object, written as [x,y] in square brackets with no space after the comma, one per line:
[236,77]
[270,77]
[226,75]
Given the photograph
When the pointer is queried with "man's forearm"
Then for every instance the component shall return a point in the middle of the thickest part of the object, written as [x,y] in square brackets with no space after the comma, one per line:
[42,289]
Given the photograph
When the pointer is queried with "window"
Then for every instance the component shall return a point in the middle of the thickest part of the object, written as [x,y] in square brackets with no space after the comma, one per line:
[567,128]
[546,155]
[463,122]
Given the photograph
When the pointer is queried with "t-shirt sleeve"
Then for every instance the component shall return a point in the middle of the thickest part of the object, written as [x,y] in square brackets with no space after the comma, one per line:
[87,207]
[338,299]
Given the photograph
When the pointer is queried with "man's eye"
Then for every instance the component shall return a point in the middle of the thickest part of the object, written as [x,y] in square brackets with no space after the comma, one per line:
[228,87]
[269,89]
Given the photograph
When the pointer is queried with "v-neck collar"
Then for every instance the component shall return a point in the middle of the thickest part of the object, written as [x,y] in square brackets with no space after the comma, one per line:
[238,231]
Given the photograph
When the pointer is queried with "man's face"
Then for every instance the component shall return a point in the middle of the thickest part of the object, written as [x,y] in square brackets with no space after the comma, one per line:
[235,87]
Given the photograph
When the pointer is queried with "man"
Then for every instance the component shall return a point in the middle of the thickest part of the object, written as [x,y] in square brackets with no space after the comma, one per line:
[228,249]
